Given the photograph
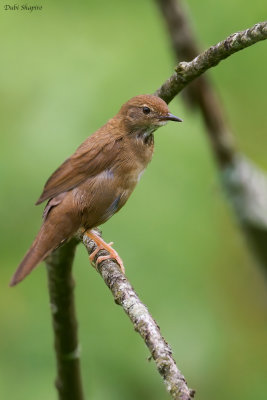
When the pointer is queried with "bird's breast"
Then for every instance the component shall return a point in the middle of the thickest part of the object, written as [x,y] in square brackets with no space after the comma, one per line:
[101,196]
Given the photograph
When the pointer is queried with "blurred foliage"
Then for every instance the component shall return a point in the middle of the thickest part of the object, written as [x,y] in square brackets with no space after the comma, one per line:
[64,72]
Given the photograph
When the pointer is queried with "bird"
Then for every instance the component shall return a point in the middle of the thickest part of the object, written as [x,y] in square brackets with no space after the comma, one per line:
[97,180]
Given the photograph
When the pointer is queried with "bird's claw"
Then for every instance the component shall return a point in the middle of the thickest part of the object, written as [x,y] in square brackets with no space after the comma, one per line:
[112,257]
[102,245]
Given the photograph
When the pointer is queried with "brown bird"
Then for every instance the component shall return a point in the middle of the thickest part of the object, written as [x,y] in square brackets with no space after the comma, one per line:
[97,180]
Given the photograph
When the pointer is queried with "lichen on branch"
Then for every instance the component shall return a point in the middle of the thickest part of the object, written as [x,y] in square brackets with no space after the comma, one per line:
[143,323]
[185,72]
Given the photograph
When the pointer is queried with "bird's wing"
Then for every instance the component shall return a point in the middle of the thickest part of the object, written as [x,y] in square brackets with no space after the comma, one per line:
[94,156]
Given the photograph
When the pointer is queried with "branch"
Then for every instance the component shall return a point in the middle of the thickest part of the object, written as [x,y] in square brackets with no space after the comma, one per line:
[245,183]
[187,71]
[143,322]
[200,92]
[246,188]
[61,285]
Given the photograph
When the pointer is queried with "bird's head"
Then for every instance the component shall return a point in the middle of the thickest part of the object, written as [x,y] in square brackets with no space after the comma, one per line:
[146,113]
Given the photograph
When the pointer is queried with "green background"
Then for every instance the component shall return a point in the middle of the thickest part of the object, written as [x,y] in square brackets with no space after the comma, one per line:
[64,71]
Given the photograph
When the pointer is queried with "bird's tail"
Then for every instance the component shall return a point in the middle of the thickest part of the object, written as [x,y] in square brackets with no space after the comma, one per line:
[38,251]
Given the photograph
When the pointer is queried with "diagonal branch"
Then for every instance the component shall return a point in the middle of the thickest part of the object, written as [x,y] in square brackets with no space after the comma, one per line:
[187,71]
[143,323]
[200,92]
[245,184]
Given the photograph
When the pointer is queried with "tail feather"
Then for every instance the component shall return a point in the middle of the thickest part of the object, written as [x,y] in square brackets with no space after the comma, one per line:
[33,257]
[59,225]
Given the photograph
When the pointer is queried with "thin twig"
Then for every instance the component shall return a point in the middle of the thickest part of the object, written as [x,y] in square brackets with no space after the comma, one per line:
[143,323]
[61,285]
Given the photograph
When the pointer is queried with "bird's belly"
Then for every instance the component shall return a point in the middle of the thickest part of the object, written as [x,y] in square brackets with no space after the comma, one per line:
[101,197]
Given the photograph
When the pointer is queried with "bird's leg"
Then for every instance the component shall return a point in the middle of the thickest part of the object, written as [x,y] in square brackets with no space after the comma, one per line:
[102,245]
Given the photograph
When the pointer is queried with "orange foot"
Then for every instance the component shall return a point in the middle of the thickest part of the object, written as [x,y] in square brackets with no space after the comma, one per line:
[102,245]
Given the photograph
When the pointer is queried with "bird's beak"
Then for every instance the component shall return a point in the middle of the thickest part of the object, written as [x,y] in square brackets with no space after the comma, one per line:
[171,117]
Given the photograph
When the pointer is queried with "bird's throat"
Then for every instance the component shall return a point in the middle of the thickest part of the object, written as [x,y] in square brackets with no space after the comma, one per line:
[147,136]
[148,139]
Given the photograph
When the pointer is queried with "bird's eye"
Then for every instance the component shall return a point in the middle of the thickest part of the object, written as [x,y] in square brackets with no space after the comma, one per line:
[146,110]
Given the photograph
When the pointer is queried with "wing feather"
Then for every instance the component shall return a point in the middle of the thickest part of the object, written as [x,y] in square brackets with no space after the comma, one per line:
[95,154]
